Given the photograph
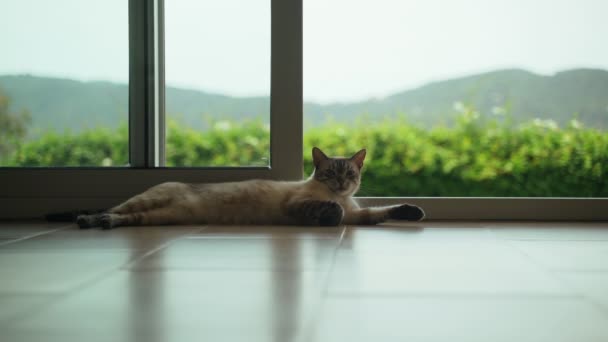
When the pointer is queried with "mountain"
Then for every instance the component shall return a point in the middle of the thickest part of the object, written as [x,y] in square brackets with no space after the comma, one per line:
[61,104]
[580,92]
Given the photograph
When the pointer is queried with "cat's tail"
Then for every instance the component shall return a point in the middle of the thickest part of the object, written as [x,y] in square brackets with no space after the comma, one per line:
[70,216]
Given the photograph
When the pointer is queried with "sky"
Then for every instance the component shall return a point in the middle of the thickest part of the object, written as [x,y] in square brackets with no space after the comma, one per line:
[353,49]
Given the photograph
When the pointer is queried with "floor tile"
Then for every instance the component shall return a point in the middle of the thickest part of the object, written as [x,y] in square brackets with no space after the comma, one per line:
[398,236]
[432,251]
[442,266]
[18,229]
[54,272]
[444,282]
[179,306]
[446,224]
[242,253]
[593,285]
[127,238]
[4,241]
[416,281]
[460,319]
[550,231]
[272,232]
[16,306]
[567,255]
[439,274]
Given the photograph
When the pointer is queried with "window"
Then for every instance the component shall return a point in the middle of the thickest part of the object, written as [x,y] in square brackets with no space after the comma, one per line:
[28,192]
[64,91]
[477,98]
[218,83]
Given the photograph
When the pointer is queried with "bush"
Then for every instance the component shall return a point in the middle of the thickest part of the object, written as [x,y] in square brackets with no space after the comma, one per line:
[474,158]
[98,147]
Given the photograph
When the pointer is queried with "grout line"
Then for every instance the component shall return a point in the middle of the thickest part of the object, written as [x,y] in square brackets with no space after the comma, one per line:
[164,245]
[555,240]
[554,275]
[332,262]
[58,296]
[589,297]
[596,304]
[578,270]
[342,236]
[139,258]
[309,325]
[80,287]
[224,236]
[219,269]
[34,235]
[455,295]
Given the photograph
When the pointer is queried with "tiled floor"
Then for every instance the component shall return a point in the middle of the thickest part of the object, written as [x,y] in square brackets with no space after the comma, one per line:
[429,281]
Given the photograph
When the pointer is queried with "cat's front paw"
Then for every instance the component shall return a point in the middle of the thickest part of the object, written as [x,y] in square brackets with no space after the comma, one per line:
[330,214]
[406,212]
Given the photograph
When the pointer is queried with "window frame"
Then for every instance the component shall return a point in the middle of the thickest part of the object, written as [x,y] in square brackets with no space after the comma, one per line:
[33,192]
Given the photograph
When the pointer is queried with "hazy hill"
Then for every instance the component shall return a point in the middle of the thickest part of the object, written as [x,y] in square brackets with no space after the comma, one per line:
[67,104]
[583,92]
[62,104]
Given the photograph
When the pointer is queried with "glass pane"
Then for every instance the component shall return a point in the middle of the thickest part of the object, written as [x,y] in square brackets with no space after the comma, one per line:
[64,83]
[461,98]
[218,82]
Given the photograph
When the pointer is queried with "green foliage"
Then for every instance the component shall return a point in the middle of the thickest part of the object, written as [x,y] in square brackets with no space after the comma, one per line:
[98,147]
[226,143]
[13,128]
[474,158]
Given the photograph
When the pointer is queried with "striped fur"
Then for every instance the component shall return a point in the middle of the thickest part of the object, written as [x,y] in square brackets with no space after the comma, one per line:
[323,199]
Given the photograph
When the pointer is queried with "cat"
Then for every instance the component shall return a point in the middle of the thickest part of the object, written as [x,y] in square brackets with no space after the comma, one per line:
[324,199]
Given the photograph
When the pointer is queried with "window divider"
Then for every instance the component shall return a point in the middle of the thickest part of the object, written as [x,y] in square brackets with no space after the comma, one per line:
[146,82]
[286,88]
[137,83]
[160,82]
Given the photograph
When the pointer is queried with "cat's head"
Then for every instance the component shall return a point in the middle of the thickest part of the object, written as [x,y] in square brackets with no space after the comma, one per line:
[341,175]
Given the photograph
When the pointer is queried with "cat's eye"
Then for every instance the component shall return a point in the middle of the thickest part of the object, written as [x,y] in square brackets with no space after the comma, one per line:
[350,173]
[330,173]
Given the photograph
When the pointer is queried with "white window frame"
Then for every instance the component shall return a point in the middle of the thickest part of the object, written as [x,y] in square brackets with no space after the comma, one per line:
[33,192]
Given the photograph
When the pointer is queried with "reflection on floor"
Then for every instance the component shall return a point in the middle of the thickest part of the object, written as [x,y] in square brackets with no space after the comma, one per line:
[426,281]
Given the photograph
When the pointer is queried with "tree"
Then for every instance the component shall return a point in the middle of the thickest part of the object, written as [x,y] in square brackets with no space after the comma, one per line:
[13,127]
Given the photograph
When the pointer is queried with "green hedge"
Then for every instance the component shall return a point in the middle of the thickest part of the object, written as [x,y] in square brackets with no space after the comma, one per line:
[475,158]
[98,147]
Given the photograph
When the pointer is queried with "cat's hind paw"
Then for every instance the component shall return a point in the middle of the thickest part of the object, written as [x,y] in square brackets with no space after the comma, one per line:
[86,221]
[406,212]
[108,221]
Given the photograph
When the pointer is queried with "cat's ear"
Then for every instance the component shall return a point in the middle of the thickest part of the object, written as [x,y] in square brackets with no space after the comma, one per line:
[358,158]
[318,156]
